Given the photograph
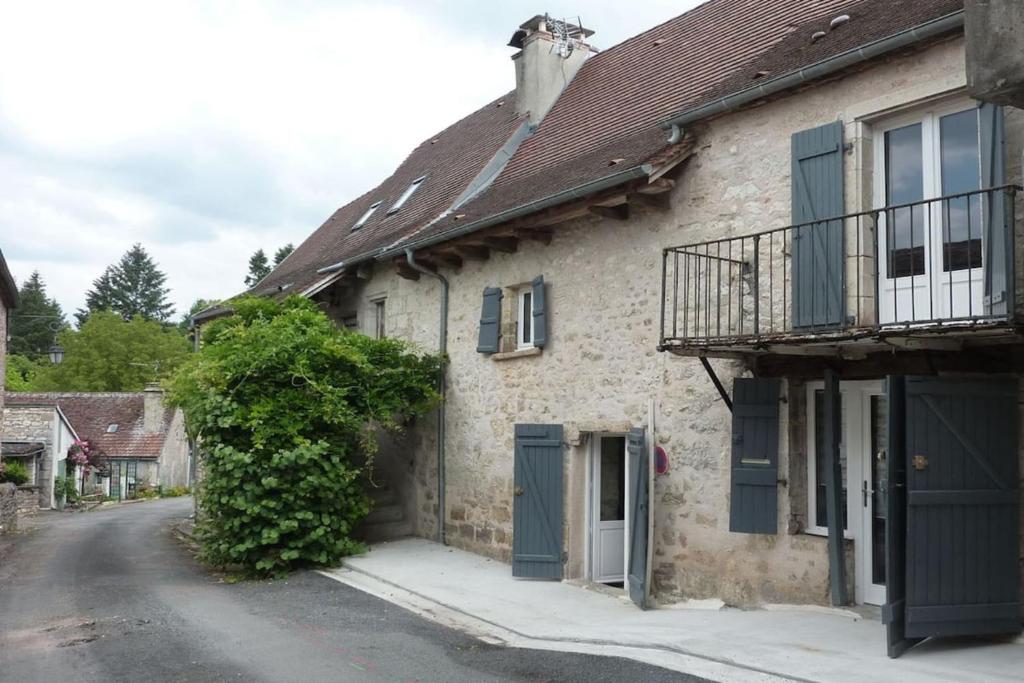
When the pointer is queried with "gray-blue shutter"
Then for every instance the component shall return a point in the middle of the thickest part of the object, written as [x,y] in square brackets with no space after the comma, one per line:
[753,503]
[537,503]
[540,313]
[818,249]
[992,148]
[490,321]
[639,457]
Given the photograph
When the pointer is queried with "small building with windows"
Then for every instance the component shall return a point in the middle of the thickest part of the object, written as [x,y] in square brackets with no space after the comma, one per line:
[142,440]
[731,310]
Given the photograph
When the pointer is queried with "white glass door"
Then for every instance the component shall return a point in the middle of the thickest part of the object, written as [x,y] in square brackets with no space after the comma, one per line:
[870,560]
[609,509]
[930,264]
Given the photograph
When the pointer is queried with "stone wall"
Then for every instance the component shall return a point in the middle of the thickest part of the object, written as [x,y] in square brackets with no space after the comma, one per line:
[8,508]
[174,455]
[601,372]
[34,424]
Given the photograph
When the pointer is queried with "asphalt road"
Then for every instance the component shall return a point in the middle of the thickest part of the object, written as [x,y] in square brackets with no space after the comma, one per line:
[111,595]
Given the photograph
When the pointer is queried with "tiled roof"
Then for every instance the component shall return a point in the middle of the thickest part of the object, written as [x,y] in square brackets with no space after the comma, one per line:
[90,414]
[8,289]
[449,160]
[610,116]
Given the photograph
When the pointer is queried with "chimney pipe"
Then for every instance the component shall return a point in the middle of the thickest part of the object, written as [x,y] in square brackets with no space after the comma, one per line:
[551,52]
[152,408]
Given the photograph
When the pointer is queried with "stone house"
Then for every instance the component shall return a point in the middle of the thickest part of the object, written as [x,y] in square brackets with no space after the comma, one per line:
[730,310]
[8,301]
[143,440]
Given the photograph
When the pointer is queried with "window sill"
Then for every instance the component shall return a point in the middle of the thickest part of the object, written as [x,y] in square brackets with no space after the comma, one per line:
[519,353]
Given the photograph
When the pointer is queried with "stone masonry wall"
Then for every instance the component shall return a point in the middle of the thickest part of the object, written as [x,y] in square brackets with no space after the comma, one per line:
[600,371]
[8,509]
[34,424]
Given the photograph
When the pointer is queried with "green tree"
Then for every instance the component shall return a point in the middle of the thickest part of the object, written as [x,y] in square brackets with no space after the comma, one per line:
[35,323]
[109,353]
[287,407]
[258,268]
[132,287]
[21,372]
[282,253]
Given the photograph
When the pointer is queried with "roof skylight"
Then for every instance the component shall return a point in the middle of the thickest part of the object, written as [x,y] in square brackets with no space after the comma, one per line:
[408,193]
[366,216]
[111,428]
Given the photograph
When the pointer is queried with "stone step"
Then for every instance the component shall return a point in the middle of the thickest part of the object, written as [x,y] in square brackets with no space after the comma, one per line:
[385,531]
[385,513]
[384,495]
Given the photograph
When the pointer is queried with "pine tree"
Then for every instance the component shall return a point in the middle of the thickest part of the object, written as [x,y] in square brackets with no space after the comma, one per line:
[259,268]
[36,321]
[133,287]
[282,253]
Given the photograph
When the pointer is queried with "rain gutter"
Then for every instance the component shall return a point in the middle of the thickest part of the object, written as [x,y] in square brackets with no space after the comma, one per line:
[442,344]
[825,67]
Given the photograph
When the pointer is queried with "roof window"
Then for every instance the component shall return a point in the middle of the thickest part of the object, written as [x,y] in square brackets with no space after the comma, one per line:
[111,428]
[366,216]
[408,193]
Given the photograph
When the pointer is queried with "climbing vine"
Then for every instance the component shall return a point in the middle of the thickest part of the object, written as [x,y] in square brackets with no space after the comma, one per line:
[286,406]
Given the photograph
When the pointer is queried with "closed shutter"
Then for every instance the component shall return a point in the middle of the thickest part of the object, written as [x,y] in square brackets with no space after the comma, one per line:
[992,146]
[540,316]
[639,494]
[755,456]
[818,249]
[537,506]
[490,321]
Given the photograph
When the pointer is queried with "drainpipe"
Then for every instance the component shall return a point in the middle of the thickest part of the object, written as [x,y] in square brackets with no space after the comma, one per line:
[442,344]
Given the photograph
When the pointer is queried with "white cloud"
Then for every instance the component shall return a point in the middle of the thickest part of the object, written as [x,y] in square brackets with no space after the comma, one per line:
[207,130]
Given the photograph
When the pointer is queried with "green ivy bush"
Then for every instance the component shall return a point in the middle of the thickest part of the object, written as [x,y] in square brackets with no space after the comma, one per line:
[14,472]
[286,406]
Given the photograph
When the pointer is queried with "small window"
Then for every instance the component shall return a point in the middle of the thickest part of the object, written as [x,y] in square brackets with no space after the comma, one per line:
[524,325]
[111,428]
[408,193]
[366,216]
[379,318]
[350,322]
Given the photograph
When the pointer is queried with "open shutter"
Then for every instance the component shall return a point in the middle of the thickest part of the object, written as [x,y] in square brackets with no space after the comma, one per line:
[817,188]
[490,321]
[639,473]
[962,470]
[755,455]
[537,506]
[992,146]
[540,313]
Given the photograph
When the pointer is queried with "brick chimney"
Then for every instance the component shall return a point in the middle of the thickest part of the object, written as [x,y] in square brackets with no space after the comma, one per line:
[153,408]
[551,51]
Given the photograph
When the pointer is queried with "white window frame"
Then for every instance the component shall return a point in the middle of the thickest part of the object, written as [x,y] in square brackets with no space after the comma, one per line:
[366,216]
[415,185]
[852,418]
[928,115]
[522,315]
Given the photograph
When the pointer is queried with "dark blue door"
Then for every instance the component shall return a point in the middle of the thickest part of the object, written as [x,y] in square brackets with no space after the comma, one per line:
[960,473]
[639,468]
[537,503]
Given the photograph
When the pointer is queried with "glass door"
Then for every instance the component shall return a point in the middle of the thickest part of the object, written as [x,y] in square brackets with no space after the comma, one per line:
[929,248]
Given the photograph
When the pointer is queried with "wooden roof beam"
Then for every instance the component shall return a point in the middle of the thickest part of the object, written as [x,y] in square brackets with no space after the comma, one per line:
[618,213]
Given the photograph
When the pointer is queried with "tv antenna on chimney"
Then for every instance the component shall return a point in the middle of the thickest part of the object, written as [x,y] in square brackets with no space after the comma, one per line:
[567,36]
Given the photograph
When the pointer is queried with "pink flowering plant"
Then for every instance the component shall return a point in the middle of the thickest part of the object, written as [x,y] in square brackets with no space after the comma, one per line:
[82,454]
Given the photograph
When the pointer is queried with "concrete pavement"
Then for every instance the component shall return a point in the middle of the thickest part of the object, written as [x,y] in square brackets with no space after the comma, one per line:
[479,595]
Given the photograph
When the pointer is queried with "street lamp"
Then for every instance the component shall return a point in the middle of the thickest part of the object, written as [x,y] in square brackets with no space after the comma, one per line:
[56,353]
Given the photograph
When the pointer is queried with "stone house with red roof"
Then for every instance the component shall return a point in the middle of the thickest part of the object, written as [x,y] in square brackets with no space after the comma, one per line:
[731,310]
[142,440]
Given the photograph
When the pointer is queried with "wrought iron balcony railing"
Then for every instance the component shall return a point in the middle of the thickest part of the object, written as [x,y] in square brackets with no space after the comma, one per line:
[944,262]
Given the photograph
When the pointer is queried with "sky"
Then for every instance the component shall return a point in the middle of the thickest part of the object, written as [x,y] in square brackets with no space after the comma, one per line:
[206,130]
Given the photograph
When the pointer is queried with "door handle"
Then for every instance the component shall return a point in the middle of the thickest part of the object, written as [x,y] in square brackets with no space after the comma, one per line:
[864,492]
[518,490]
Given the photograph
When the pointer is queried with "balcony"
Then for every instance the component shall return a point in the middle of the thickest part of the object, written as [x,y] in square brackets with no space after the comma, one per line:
[924,274]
